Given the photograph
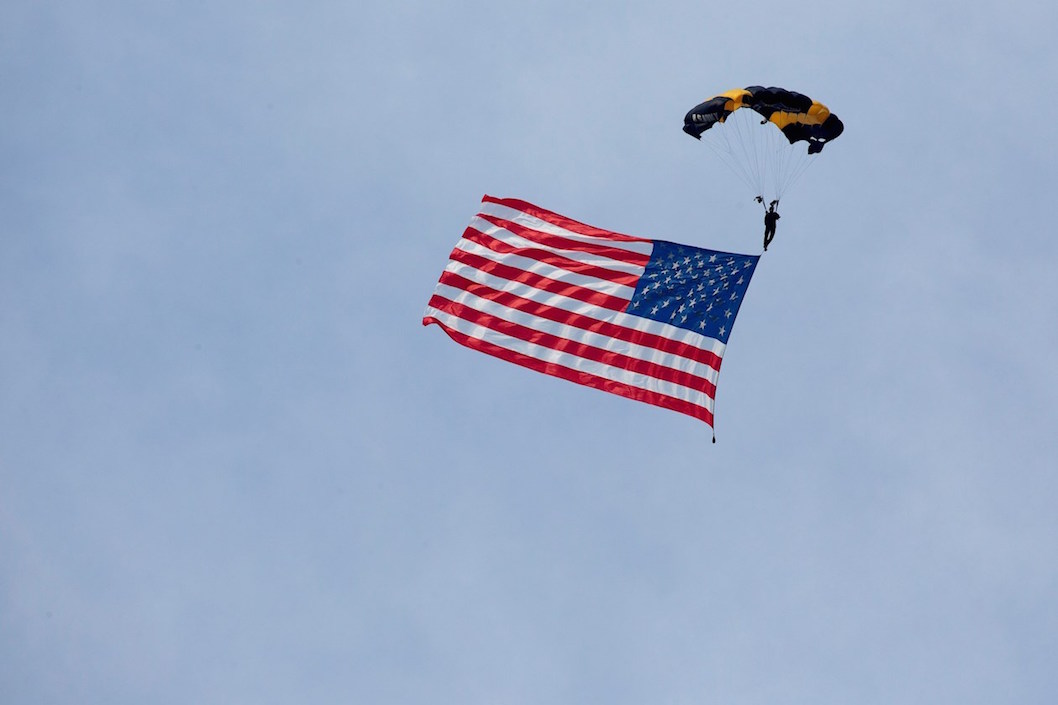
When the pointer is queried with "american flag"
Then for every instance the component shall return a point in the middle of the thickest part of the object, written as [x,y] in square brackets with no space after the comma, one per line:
[645,319]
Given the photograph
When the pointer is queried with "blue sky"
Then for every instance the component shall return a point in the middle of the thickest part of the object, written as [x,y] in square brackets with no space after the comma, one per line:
[234,467]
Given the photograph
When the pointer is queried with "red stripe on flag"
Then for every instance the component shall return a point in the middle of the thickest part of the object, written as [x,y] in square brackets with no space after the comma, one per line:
[573,291]
[563,243]
[574,348]
[584,378]
[560,220]
[558,315]
[551,258]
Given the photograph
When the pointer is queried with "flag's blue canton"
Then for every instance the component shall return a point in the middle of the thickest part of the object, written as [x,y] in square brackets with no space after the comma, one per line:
[693,288]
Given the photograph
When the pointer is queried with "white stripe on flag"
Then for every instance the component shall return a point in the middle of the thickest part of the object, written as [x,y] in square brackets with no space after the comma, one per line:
[546,354]
[578,335]
[531,221]
[527,264]
[625,320]
[506,236]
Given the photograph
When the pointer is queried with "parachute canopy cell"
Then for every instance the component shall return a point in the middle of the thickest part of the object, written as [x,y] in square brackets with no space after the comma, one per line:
[796,115]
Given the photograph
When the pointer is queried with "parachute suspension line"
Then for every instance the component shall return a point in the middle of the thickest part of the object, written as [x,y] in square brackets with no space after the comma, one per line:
[771,158]
[723,136]
[769,145]
[744,142]
[719,141]
[782,160]
[730,134]
[802,166]
[757,146]
[767,159]
[749,138]
[780,172]
[740,161]
[796,163]
[726,157]
[758,153]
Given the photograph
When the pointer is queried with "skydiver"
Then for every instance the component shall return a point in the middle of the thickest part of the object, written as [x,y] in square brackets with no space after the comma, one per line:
[770,218]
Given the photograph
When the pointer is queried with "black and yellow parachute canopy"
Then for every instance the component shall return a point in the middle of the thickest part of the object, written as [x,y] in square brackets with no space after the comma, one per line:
[795,114]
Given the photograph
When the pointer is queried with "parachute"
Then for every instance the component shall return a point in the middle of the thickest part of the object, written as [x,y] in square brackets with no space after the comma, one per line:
[761,142]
